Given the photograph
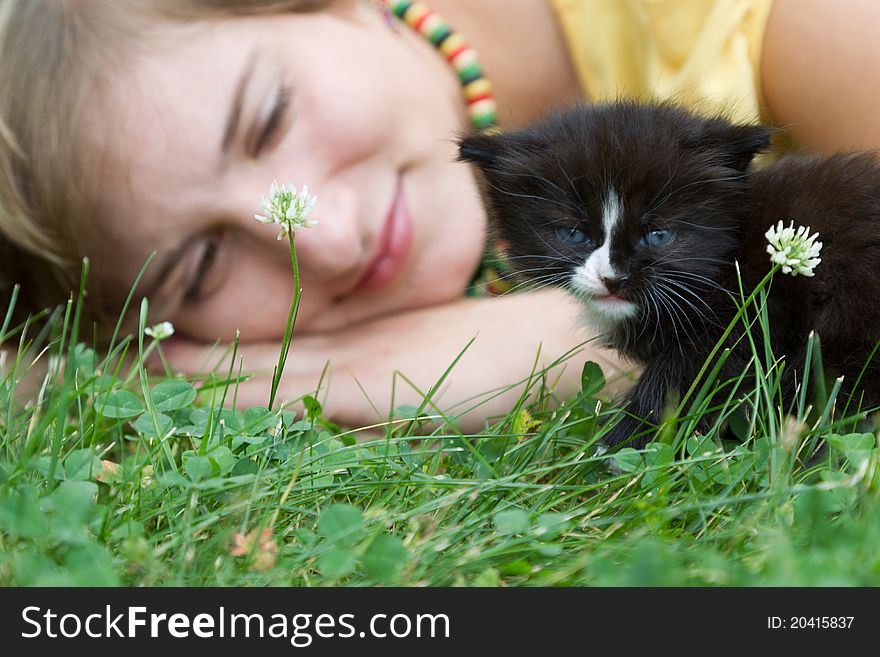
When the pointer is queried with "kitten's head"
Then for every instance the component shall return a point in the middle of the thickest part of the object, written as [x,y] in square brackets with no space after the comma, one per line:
[634,208]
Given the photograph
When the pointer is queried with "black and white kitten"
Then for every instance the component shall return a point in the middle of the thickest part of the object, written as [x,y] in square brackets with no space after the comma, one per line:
[641,211]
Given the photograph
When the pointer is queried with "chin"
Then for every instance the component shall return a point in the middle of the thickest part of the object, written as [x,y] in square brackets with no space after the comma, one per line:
[606,310]
[604,316]
[614,311]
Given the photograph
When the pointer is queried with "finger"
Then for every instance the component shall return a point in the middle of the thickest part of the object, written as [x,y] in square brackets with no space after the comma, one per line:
[251,372]
[196,358]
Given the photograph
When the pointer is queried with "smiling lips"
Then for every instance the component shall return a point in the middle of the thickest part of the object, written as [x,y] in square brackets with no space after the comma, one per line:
[392,248]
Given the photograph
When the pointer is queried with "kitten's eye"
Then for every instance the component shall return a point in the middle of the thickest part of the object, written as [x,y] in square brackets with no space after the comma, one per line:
[658,237]
[572,236]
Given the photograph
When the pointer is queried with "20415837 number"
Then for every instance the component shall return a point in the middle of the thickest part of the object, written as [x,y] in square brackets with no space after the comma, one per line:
[810,622]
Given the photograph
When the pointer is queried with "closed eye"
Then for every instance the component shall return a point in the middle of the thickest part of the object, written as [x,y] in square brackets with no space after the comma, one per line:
[273,123]
[209,269]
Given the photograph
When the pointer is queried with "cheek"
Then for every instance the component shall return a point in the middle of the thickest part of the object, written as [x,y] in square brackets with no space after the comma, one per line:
[255,316]
[254,300]
[450,225]
[339,124]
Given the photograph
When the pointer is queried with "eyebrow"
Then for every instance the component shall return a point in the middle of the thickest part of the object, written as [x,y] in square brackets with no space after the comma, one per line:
[234,117]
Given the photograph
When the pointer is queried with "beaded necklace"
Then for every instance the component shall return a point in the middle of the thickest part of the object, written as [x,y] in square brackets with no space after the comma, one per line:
[482,109]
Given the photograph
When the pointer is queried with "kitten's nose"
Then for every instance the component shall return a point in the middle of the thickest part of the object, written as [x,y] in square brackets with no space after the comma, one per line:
[614,284]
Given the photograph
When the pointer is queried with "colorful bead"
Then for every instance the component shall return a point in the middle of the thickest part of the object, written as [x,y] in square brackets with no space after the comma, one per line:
[412,13]
[466,57]
[430,24]
[483,112]
[476,87]
[423,24]
[453,45]
[469,72]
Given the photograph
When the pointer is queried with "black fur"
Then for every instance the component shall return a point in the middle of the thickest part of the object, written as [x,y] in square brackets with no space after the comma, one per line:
[674,170]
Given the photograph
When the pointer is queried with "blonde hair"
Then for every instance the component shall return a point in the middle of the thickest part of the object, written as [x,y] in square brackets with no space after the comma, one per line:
[55,55]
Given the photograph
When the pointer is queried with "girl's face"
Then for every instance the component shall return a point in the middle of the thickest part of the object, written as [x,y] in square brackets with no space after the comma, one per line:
[209,114]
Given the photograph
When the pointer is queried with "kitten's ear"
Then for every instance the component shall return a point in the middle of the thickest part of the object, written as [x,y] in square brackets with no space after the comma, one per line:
[481,150]
[736,145]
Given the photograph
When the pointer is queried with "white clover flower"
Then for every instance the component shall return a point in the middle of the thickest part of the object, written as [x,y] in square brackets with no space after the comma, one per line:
[287,208]
[796,250]
[161,331]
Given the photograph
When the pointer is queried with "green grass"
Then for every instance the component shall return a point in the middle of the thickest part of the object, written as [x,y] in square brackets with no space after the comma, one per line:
[110,477]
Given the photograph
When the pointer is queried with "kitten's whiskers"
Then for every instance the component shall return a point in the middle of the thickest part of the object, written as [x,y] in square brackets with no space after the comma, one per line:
[685,288]
[535,283]
[686,275]
[535,197]
[673,314]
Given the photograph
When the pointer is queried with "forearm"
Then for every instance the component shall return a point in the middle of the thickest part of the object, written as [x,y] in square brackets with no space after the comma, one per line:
[481,352]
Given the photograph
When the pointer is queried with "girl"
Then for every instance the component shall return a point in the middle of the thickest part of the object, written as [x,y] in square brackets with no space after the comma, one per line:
[137,126]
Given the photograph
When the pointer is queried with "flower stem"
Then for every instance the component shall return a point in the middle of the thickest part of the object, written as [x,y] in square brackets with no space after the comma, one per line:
[291,322]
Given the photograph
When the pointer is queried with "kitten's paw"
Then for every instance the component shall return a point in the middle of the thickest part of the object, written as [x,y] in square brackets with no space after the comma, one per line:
[628,432]
[610,462]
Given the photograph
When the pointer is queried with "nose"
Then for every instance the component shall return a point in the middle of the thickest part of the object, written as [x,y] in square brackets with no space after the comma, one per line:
[614,284]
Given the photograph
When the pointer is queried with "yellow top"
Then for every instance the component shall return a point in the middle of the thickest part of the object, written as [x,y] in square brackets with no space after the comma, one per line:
[704,53]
